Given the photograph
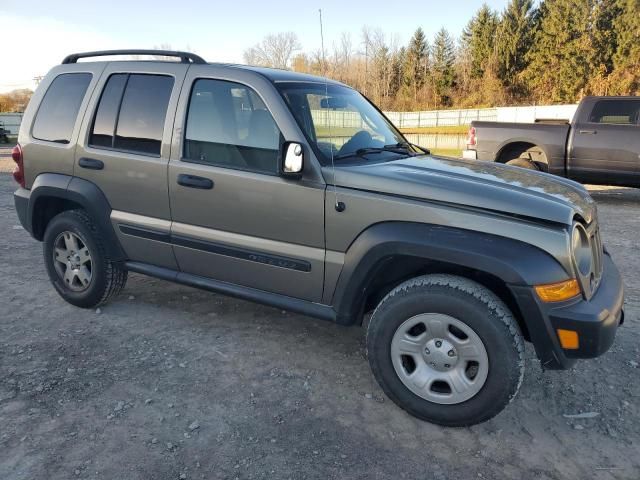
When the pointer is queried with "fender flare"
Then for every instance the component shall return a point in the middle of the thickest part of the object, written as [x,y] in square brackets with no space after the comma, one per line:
[82,192]
[512,261]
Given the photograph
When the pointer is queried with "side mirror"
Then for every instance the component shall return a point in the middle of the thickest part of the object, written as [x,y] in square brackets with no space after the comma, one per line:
[292,160]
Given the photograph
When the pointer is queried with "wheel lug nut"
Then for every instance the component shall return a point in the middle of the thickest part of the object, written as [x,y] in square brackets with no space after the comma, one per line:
[446,365]
[451,353]
[426,350]
[438,343]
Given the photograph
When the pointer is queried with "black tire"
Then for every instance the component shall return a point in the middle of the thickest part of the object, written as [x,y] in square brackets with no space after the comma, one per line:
[476,307]
[523,163]
[107,278]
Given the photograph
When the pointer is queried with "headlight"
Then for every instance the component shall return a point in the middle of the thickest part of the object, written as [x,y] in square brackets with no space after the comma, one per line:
[581,250]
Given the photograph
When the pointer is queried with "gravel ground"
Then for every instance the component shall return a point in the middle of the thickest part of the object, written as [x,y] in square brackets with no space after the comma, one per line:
[6,164]
[168,382]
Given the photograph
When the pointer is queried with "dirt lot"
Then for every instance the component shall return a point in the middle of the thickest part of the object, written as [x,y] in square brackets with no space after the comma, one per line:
[169,382]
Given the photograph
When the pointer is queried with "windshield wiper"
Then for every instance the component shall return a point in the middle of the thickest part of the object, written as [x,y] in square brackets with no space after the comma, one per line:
[409,145]
[402,148]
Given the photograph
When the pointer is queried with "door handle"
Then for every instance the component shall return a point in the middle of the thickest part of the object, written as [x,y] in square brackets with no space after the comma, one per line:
[193,181]
[588,132]
[91,163]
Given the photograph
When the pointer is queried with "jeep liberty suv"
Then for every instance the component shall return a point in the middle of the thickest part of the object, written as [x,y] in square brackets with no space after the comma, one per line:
[295,191]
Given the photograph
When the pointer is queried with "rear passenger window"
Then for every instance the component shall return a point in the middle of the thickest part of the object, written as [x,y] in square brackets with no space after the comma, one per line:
[132,112]
[229,125]
[618,112]
[59,108]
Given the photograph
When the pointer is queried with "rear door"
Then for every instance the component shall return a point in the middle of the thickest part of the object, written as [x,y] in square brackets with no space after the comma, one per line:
[124,148]
[234,218]
[606,143]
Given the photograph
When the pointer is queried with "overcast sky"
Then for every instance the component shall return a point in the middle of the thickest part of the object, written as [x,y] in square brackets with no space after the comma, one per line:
[37,34]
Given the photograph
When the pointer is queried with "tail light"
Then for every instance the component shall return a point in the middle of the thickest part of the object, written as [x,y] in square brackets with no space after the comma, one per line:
[18,171]
[471,137]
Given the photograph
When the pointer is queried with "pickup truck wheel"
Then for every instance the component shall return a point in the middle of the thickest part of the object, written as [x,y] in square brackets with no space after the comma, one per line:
[76,261]
[446,350]
[523,163]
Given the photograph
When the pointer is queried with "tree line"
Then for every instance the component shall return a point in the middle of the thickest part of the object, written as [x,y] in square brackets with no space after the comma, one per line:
[15,101]
[555,51]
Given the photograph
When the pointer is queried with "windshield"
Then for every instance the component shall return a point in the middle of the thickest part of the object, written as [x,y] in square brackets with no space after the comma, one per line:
[341,122]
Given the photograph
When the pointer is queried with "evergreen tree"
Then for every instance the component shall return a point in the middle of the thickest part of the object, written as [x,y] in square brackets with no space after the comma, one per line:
[604,40]
[559,61]
[513,41]
[416,60]
[479,38]
[442,61]
[625,79]
[397,70]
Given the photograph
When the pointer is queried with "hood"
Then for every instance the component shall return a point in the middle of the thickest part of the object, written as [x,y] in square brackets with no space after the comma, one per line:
[472,183]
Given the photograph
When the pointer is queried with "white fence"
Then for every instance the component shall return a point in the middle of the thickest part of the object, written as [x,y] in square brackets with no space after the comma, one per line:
[441,118]
[449,118]
[429,118]
[531,114]
[11,122]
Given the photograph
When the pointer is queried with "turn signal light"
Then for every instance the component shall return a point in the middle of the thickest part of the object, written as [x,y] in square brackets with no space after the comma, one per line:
[556,292]
[568,339]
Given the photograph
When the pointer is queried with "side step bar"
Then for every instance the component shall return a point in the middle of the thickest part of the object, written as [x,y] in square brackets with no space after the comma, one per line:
[304,307]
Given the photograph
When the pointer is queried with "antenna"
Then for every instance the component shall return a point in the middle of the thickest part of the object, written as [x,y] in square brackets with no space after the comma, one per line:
[339,206]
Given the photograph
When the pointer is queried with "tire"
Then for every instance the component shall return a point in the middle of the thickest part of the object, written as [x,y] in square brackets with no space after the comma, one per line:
[457,307]
[523,163]
[104,279]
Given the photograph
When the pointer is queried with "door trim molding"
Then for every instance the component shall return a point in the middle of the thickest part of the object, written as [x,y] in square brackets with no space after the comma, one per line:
[256,256]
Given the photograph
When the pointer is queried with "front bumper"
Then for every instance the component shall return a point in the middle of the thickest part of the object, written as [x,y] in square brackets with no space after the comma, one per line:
[595,320]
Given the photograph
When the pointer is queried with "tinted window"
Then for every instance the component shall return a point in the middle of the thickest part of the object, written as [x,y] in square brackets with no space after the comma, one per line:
[229,125]
[57,114]
[621,112]
[142,113]
[105,121]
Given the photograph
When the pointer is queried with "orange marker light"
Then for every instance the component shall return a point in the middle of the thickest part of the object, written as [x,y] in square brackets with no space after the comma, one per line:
[568,339]
[556,292]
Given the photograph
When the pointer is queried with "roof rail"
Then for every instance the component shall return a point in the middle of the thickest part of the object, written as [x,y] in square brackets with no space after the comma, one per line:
[185,57]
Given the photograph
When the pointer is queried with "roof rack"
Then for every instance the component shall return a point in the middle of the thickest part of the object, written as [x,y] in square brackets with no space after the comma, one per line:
[185,57]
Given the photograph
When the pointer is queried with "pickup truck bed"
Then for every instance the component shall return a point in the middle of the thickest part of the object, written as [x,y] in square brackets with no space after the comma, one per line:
[600,145]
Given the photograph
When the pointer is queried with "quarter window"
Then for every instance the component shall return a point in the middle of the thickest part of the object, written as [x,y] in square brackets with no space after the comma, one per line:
[132,112]
[107,114]
[619,112]
[229,125]
[58,111]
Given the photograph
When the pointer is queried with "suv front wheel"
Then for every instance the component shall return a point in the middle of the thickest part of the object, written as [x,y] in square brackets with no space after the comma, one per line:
[446,350]
[77,263]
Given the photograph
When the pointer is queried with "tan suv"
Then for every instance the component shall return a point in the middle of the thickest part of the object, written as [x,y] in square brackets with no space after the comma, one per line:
[295,191]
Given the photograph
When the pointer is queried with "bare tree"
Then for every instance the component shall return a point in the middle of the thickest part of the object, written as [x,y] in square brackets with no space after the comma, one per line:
[273,51]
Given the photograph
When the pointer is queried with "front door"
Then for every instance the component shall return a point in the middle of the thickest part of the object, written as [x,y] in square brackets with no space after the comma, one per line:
[606,147]
[234,218]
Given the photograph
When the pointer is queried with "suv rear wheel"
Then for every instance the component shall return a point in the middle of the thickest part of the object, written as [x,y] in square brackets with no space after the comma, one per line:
[76,261]
[446,349]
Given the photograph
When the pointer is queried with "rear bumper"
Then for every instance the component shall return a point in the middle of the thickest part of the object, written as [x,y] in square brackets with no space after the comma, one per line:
[469,154]
[21,201]
[596,320]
